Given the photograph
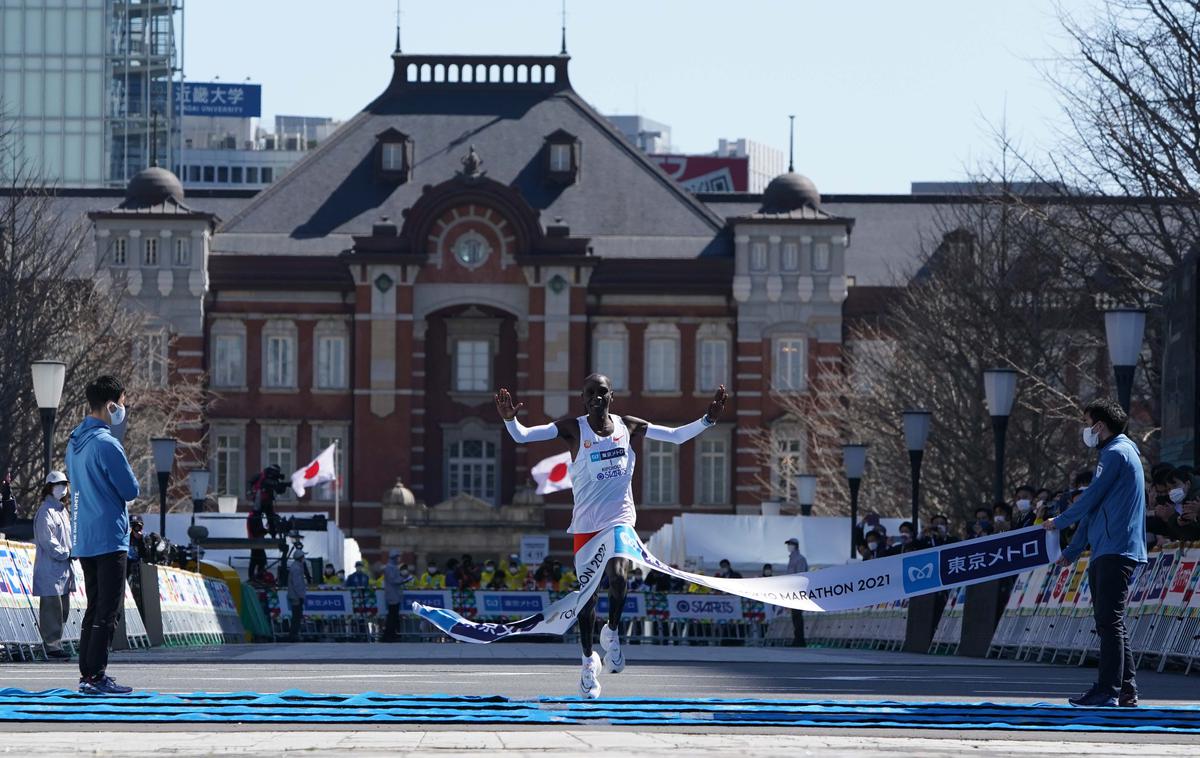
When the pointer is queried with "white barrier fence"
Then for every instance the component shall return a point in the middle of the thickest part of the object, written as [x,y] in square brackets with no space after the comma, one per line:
[196,609]
[20,637]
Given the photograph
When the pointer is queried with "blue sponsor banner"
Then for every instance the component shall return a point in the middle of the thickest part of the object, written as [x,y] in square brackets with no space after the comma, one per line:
[635,605]
[220,99]
[428,598]
[510,604]
[320,603]
[971,562]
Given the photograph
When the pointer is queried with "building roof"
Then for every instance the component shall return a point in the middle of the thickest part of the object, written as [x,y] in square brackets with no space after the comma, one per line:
[621,200]
[278,272]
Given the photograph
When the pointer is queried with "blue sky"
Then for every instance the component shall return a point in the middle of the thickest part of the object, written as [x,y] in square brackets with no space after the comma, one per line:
[885,93]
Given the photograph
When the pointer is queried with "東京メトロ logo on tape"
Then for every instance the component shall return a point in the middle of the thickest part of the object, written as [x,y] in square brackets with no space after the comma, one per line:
[920,573]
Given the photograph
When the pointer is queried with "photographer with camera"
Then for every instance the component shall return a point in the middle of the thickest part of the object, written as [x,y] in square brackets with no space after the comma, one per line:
[262,519]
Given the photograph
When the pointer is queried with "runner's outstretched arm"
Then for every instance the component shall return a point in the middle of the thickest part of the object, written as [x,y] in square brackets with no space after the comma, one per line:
[518,431]
[680,434]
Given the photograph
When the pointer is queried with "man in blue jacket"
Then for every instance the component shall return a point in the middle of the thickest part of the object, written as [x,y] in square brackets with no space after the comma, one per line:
[101,484]
[1111,514]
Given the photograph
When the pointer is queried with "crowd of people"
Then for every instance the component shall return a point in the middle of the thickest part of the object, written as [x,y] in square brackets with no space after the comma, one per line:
[1173,514]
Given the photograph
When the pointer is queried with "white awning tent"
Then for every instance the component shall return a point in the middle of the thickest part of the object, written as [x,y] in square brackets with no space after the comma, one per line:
[699,541]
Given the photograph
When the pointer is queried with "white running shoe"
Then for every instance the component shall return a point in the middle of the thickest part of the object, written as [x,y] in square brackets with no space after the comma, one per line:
[614,659]
[589,678]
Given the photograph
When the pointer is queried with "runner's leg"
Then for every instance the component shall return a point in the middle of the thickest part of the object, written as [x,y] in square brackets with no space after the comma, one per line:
[618,570]
[587,625]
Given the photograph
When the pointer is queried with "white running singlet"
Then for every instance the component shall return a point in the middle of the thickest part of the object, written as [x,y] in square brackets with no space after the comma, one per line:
[602,478]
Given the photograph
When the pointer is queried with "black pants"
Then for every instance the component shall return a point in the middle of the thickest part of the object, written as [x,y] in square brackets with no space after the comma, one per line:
[798,628]
[258,560]
[391,628]
[104,583]
[1109,577]
[297,620]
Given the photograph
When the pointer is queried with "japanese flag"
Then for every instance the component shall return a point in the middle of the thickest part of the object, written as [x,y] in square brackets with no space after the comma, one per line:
[318,472]
[553,474]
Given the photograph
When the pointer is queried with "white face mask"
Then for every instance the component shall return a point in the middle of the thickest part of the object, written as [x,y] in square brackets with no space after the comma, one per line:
[59,490]
[1176,495]
[1024,505]
[1000,519]
[1091,437]
[117,412]
[872,545]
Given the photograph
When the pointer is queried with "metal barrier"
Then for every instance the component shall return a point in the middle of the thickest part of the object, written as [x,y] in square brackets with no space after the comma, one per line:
[20,638]
[876,627]
[351,614]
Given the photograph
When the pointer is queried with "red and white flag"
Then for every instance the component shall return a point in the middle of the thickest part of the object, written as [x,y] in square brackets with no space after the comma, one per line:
[318,472]
[553,474]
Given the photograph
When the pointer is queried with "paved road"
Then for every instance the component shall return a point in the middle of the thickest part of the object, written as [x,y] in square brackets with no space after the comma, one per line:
[531,670]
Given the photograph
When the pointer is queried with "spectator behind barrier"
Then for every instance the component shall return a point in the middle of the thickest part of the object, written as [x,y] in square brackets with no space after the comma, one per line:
[726,570]
[359,578]
[1002,516]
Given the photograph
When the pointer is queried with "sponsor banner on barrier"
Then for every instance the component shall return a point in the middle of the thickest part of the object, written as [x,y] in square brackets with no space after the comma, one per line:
[635,605]
[320,603]
[431,598]
[498,603]
[704,607]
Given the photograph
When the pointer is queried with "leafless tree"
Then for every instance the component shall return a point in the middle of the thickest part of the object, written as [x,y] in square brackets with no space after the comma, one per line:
[52,309]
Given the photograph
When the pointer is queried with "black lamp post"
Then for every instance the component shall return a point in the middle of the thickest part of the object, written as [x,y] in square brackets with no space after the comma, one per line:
[916,432]
[1000,387]
[48,378]
[1123,330]
[164,461]
[854,458]
[806,492]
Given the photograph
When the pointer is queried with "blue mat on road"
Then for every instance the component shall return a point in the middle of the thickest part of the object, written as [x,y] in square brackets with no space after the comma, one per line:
[297,707]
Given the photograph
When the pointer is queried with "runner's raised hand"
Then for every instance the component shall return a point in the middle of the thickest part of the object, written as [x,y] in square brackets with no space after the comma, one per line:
[718,403]
[504,404]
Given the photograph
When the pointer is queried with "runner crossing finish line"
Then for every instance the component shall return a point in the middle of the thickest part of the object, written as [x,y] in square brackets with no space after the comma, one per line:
[601,466]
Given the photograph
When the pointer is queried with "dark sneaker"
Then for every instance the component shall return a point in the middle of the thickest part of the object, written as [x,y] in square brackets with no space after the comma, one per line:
[61,655]
[1094,698]
[102,685]
[1128,697]
[88,687]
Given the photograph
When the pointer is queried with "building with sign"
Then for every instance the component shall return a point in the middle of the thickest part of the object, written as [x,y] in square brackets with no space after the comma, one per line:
[89,85]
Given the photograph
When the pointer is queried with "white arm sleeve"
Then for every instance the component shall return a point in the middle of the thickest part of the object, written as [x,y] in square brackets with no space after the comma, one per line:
[521,433]
[679,434]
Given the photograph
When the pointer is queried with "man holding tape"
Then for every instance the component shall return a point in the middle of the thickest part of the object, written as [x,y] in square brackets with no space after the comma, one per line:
[1111,514]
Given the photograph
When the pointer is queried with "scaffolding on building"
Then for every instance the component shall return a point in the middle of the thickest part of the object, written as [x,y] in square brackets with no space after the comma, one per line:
[143,117]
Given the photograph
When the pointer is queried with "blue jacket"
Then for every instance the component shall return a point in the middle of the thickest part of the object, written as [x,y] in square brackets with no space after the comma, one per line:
[101,483]
[1111,512]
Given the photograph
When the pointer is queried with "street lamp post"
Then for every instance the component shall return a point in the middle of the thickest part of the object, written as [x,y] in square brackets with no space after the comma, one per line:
[198,487]
[164,461]
[854,458]
[916,432]
[1123,330]
[1000,387]
[48,378]
[806,492]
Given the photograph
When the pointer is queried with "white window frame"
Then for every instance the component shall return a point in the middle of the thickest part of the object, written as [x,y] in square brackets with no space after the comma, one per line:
[120,252]
[560,157]
[151,355]
[713,456]
[822,257]
[393,156]
[279,377]
[331,336]
[664,378]
[225,332]
[458,465]
[791,255]
[284,455]
[789,369]
[322,436]
[660,487]
[788,451]
[611,338]
[758,255]
[478,386]
[150,251]
[226,482]
[183,252]
[712,333]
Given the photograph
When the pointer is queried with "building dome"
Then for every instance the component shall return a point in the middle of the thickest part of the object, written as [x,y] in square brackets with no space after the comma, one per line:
[153,186]
[790,192]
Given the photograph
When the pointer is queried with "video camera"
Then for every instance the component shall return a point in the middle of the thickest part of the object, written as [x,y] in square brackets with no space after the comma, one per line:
[270,480]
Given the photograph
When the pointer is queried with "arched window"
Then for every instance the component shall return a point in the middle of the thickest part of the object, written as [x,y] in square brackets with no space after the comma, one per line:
[610,353]
[787,460]
[331,343]
[279,355]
